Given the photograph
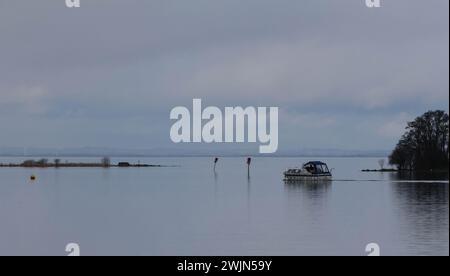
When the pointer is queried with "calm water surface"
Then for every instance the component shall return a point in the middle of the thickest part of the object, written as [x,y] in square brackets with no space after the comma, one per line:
[190,210]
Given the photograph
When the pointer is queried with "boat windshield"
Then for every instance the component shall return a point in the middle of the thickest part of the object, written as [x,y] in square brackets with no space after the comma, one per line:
[310,168]
[316,168]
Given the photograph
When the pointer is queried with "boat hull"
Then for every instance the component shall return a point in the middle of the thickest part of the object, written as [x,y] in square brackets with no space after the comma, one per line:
[294,177]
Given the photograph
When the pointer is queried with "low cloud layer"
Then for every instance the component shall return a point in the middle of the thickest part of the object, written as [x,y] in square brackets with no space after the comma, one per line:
[108,73]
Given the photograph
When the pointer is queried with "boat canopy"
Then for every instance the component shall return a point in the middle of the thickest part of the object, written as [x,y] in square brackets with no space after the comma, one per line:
[315,163]
[316,167]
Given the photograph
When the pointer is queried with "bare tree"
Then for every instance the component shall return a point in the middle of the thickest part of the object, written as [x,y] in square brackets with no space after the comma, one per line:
[106,162]
[381,162]
[43,162]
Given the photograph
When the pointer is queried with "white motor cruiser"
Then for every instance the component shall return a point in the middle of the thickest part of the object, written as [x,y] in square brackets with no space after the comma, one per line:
[313,170]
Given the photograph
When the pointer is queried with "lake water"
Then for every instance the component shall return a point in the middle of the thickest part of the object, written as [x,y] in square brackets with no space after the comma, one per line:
[190,210]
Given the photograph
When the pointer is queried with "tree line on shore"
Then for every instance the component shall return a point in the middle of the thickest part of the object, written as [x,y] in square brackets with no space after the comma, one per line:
[425,144]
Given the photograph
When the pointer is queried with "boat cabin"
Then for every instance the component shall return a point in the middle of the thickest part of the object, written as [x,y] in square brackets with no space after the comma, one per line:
[316,167]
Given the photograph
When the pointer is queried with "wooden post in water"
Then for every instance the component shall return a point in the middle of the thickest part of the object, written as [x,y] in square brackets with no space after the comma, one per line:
[215,162]
[249,161]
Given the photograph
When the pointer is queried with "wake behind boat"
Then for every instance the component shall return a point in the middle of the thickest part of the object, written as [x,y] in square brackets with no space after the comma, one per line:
[313,170]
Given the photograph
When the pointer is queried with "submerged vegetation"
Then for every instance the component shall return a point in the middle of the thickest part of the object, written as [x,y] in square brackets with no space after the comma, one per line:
[424,146]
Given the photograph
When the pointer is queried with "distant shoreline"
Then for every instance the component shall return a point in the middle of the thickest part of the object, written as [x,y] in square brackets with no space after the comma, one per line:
[409,171]
[382,170]
[43,163]
[80,166]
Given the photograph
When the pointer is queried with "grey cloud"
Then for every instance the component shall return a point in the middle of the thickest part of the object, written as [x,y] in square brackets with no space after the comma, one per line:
[131,61]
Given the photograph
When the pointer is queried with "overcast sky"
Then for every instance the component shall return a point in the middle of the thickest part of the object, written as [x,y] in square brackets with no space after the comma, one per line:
[107,74]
